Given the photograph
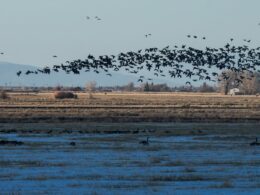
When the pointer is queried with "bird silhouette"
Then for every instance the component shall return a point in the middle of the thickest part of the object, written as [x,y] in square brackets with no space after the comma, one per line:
[255,143]
[19,73]
[97,18]
[147,35]
[179,61]
[145,142]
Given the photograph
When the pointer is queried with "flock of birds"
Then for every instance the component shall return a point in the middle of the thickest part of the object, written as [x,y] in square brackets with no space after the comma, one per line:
[177,62]
[95,18]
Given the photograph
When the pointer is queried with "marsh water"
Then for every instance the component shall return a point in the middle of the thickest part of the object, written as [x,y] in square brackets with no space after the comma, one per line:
[108,159]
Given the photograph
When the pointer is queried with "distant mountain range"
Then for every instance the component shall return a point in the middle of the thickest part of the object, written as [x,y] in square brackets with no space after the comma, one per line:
[8,77]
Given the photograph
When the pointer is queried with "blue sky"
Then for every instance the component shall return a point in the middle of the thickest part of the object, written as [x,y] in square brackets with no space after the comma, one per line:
[34,30]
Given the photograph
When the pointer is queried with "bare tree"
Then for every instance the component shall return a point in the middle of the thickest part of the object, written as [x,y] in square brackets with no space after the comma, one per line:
[227,81]
[249,85]
[90,88]
[248,82]
[206,88]
[130,87]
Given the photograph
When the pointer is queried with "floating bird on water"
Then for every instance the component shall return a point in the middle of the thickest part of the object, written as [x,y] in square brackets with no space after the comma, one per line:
[255,143]
[145,142]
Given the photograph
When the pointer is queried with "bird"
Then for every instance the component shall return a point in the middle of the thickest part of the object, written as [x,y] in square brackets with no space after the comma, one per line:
[19,73]
[145,142]
[88,18]
[204,38]
[255,143]
[54,56]
[147,35]
[248,41]
[2,53]
[97,18]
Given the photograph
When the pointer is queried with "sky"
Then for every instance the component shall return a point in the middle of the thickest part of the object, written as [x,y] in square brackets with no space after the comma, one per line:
[32,31]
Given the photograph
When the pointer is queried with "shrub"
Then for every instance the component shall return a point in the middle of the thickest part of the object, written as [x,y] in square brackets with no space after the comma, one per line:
[65,95]
[3,95]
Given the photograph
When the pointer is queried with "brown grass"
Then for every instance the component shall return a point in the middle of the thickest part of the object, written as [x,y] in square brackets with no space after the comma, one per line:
[127,107]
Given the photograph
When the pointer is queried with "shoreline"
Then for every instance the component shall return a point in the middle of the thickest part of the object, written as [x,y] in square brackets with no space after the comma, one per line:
[60,120]
[128,127]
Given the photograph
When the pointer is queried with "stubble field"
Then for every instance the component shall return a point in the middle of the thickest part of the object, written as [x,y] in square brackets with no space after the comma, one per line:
[130,107]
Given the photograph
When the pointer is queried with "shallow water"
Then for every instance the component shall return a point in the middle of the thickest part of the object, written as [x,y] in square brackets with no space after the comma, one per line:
[118,164]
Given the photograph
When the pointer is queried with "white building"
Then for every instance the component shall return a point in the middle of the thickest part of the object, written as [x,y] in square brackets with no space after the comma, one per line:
[234,91]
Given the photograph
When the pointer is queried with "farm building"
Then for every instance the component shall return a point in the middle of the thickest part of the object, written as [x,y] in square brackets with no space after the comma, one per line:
[234,91]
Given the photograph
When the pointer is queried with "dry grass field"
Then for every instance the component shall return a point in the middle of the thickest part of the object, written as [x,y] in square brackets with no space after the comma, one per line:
[130,107]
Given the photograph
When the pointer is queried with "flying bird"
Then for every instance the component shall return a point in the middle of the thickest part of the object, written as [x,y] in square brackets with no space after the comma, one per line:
[147,35]
[97,18]
[19,73]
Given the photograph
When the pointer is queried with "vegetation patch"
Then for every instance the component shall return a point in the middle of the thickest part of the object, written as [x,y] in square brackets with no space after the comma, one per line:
[65,95]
